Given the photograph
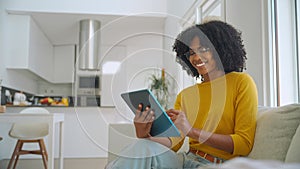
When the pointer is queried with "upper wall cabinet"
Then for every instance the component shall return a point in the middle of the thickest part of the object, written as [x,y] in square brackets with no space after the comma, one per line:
[64,63]
[29,49]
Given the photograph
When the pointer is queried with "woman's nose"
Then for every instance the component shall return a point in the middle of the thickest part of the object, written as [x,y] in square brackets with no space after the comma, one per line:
[197,56]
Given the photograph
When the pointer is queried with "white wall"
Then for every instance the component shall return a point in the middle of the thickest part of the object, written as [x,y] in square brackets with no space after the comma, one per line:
[250,17]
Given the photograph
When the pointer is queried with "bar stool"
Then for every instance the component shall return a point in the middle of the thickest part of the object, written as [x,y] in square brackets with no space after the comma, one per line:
[29,133]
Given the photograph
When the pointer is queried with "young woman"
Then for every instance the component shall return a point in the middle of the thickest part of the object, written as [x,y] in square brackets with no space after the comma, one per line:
[218,114]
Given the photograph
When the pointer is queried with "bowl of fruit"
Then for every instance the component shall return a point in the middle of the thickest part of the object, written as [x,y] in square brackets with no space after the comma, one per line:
[46,101]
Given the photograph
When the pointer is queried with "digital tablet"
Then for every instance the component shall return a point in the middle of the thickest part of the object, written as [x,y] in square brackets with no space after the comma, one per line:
[162,125]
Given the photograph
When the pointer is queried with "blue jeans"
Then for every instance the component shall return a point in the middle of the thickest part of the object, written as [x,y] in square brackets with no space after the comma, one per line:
[192,161]
[146,154]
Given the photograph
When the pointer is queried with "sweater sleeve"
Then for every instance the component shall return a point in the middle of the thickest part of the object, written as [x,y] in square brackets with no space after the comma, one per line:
[177,141]
[245,118]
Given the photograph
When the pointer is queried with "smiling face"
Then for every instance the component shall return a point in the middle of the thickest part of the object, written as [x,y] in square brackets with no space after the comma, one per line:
[202,60]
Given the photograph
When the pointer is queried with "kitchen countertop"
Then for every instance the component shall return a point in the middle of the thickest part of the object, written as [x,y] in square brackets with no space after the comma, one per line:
[109,114]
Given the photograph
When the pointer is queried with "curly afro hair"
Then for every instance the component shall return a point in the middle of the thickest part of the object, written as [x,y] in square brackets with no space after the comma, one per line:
[224,41]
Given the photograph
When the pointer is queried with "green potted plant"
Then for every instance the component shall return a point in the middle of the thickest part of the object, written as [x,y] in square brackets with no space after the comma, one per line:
[159,87]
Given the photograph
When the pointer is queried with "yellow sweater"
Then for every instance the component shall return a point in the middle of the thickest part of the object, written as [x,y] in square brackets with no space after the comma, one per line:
[226,105]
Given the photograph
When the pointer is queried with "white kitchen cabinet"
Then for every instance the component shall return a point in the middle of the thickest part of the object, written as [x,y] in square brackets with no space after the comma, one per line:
[64,56]
[17,44]
[40,53]
[111,76]
[29,49]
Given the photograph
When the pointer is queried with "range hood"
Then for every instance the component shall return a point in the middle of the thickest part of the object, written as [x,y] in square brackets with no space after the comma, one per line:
[89,44]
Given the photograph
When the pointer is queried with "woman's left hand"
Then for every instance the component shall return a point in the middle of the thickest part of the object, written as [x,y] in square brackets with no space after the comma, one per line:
[143,121]
[180,120]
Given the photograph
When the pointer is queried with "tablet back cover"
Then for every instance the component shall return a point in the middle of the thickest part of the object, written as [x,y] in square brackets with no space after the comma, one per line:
[162,125]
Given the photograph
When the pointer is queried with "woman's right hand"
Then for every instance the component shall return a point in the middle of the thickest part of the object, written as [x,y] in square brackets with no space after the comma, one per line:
[180,120]
[143,121]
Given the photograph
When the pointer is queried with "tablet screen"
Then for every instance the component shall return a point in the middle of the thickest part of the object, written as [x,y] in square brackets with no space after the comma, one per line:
[162,125]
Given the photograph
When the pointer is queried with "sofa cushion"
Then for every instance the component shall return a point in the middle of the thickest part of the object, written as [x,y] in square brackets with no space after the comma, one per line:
[247,163]
[274,132]
[293,154]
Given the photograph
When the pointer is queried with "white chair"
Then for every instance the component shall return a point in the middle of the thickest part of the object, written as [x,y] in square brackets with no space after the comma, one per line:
[29,133]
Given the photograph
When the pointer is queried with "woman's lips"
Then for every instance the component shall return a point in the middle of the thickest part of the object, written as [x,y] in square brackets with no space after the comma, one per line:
[200,64]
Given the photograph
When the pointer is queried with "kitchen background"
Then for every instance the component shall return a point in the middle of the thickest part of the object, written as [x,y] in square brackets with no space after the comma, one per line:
[42,49]
[40,40]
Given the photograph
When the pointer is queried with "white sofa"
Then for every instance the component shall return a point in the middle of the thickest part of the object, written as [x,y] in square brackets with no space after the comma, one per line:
[277,136]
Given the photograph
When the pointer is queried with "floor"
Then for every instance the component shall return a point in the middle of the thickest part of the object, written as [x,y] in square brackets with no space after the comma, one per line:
[80,163]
